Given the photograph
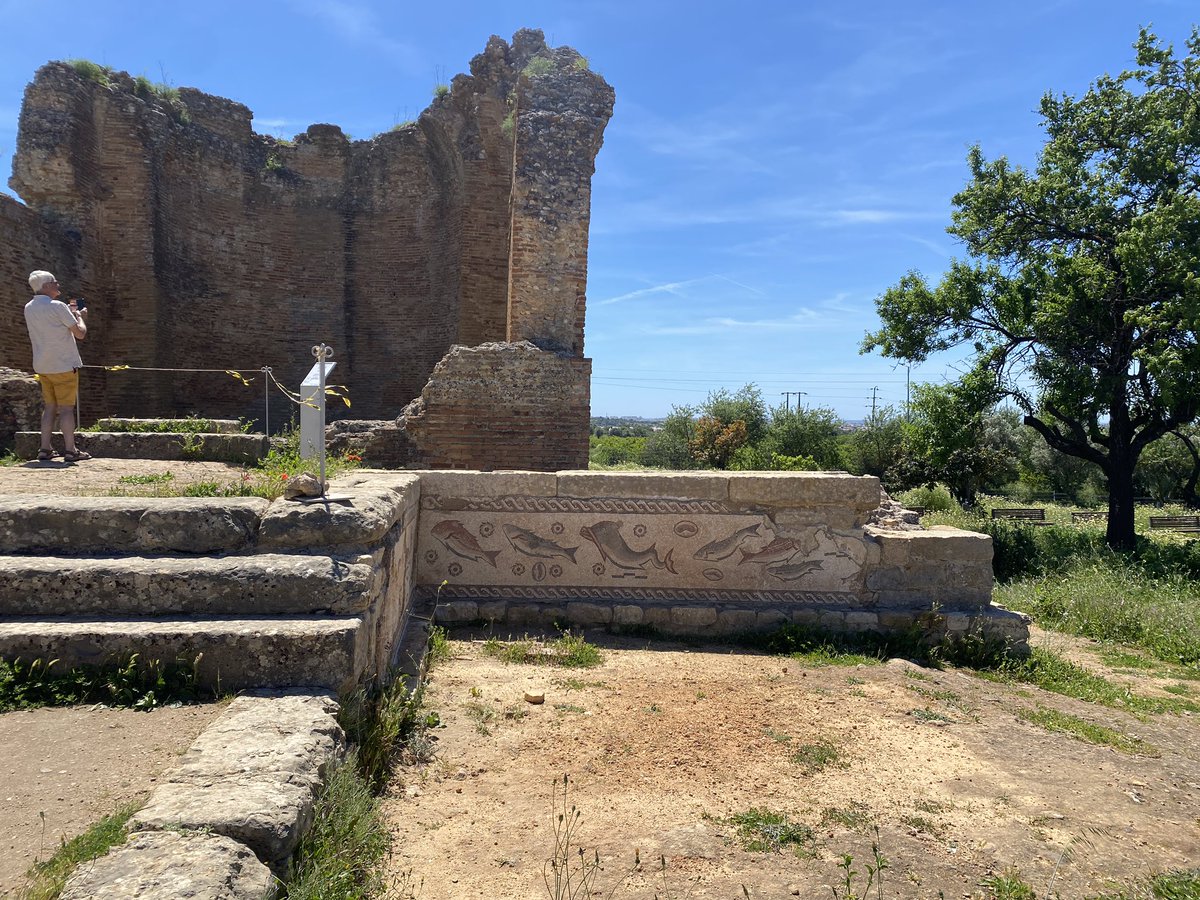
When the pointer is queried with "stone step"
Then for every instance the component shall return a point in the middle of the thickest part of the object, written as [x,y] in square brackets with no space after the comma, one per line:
[72,526]
[130,586]
[233,654]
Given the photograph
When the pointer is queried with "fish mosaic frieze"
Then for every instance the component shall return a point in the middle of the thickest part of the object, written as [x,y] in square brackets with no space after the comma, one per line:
[793,571]
[532,544]
[779,550]
[726,547]
[458,540]
[608,540]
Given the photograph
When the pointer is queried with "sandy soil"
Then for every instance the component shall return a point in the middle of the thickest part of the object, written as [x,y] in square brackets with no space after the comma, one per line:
[664,743]
[62,770]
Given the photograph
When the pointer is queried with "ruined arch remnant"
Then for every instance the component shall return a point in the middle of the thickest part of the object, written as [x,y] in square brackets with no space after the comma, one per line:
[446,259]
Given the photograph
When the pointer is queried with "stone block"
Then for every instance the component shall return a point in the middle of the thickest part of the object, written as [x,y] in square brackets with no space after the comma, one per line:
[371,511]
[736,621]
[582,613]
[627,614]
[832,619]
[657,617]
[167,865]
[253,585]
[486,485]
[97,525]
[891,620]
[493,610]
[939,544]
[771,619]
[805,489]
[533,614]
[862,621]
[806,616]
[693,618]
[252,775]
[672,485]
[450,612]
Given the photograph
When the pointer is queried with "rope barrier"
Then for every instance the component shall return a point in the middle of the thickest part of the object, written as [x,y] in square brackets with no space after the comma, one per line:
[330,390]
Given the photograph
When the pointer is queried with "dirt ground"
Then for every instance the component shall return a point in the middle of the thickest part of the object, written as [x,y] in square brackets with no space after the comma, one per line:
[664,743]
[62,770]
[100,476]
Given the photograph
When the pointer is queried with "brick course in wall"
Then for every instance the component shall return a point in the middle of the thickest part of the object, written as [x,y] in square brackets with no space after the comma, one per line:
[201,244]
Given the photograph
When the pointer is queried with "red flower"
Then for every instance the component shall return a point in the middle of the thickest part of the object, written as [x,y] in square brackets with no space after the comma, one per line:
[283,476]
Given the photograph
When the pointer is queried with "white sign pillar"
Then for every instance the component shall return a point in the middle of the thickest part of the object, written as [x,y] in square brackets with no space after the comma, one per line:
[312,408]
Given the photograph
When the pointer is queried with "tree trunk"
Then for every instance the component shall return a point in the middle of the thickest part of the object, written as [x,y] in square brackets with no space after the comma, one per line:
[1121,533]
[1189,489]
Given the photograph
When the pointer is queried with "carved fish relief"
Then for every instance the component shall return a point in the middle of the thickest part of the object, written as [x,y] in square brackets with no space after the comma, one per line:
[531,544]
[778,550]
[454,536]
[793,571]
[725,547]
[607,538]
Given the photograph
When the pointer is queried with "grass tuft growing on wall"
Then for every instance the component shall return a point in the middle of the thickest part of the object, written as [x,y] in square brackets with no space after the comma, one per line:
[47,879]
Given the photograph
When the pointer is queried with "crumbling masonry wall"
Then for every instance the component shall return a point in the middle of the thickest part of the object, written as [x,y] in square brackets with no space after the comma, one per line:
[203,244]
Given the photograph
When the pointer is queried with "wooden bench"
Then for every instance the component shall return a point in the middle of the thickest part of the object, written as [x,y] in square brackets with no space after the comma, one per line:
[1024,516]
[1089,516]
[1176,523]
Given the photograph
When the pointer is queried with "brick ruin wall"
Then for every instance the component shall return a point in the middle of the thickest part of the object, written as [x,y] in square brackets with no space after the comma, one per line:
[201,244]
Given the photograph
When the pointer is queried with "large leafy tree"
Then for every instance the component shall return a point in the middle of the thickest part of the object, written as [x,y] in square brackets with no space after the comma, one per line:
[1081,297]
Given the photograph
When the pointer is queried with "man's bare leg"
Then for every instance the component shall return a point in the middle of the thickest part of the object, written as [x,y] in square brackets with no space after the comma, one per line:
[49,414]
[66,415]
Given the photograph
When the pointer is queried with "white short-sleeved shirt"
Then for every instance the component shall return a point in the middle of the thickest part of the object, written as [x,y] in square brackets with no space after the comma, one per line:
[49,322]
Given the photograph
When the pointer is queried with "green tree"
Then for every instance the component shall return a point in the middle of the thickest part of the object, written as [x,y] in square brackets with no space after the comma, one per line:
[877,446]
[954,437]
[805,432]
[745,405]
[1081,298]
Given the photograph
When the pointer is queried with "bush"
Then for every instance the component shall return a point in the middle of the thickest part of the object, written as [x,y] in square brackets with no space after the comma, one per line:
[612,451]
[934,499]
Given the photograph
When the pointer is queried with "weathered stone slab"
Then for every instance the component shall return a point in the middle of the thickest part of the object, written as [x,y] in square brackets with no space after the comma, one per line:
[457,483]
[167,865]
[234,654]
[263,584]
[372,508]
[804,489]
[253,774]
[672,485]
[937,544]
[73,525]
[216,426]
[235,448]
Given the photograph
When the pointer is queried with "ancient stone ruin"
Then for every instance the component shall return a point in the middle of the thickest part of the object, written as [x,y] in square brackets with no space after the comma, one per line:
[445,260]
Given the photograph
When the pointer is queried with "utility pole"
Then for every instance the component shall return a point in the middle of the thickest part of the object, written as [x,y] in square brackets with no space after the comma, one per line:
[786,399]
[908,392]
[874,392]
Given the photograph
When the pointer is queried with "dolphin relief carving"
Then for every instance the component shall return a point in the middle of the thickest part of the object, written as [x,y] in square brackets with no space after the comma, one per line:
[532,544]
[454,537]
[607,538]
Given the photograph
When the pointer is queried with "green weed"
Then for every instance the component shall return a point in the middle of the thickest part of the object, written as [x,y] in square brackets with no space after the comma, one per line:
[764,831]
[47,879]
[1008,886]
[1178,885]
[855,817]
[567,650]
[158,478]
[341,856]
[439,647]
[817,756]
[91,71]
[1081,729]
[441,90]
[380,720]
[127,682]
[539,65]
[872,871]
[1051,672]
[925,714]
[186,425]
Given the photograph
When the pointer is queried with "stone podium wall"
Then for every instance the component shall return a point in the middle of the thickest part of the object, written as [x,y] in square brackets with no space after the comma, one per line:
[699,553]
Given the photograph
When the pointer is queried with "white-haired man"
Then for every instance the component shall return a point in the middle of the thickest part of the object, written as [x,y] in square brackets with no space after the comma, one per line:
[54,327]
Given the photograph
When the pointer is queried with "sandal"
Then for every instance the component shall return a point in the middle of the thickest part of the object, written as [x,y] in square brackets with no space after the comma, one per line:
[45,455]
[76,455]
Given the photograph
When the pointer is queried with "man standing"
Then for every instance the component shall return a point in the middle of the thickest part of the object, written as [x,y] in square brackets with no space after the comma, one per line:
[53,328]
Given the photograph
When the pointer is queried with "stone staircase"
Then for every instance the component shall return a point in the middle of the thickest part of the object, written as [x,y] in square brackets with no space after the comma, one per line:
[253,594]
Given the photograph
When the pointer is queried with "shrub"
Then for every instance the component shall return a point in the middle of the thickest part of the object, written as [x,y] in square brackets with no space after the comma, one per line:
[935,499]
[539,65]
[91,71]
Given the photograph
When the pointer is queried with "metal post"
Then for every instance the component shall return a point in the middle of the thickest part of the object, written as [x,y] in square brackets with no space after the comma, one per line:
[266,370]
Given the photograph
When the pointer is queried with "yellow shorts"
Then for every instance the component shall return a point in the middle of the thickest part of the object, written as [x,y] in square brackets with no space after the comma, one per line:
[60,389]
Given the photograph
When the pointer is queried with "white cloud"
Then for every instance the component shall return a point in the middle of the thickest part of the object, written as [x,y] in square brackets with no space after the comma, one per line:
[677,289]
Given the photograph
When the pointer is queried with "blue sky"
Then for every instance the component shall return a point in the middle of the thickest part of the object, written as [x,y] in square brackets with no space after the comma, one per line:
[769,170]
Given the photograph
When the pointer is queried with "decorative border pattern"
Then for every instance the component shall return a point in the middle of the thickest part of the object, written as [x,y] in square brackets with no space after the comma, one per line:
[642,595]
[574,505]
